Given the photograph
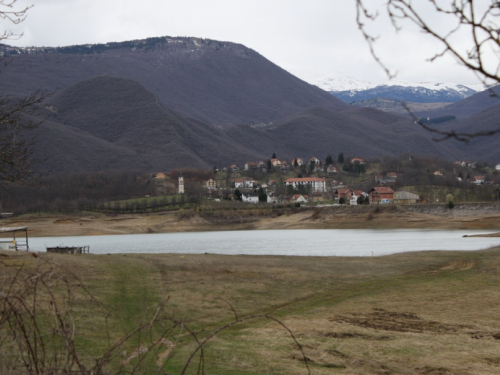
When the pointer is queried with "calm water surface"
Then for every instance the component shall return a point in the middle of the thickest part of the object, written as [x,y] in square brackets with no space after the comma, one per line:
[321,242]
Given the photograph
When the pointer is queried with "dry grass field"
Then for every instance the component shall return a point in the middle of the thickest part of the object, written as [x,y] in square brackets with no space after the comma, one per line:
[411,313]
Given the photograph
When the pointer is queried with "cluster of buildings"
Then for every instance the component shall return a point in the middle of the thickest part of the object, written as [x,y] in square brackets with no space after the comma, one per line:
[306,189]
[316,188]
[287,165]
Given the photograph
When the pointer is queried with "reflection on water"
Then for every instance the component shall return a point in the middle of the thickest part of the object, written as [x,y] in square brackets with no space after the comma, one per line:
[322,242]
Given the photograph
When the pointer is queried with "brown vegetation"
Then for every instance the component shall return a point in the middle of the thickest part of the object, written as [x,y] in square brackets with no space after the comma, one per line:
[413,313]
[463,216]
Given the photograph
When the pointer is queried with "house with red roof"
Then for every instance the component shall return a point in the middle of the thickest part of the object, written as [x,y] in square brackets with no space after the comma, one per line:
[478,180]
[381,194]
[249,165]
[275,162]
[343,193]
[299,198]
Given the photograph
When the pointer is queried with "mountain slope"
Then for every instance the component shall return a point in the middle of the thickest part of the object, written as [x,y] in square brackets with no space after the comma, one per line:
[113,123]
[216,82]
[121,114]
[470,106]
[481,147]
[361,132]
[163,103]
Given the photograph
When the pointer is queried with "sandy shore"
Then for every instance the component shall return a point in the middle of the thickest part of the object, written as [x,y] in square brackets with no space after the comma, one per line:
[471,216]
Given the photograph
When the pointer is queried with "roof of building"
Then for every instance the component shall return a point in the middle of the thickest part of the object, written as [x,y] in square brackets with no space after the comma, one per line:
[305,179]
[12,229]
[382,189]
[251,194]
[343,191]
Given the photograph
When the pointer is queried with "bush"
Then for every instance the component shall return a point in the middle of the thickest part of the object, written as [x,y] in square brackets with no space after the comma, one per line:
[451,205]
[185,214]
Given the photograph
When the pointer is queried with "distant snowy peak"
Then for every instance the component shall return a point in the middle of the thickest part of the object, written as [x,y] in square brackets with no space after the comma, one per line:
[340,82]
[351,89]
[436,86]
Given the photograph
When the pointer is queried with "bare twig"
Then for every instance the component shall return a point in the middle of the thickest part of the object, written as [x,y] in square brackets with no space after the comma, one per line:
[239,321]
[476,18]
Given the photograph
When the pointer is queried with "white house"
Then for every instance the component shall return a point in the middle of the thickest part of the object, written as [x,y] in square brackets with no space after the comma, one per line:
[250,197]
[211,184]
[497,167]
[331,169]
[353,200]
[317,184]
[244,183]
[272,198]
[250,165]
[299,198]
[478,180]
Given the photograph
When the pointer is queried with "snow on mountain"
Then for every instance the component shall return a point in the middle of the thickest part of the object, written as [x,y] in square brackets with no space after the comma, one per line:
[340,82]
[435,85]
[350,89]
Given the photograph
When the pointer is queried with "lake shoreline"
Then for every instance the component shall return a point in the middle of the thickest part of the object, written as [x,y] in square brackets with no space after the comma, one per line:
[479,216]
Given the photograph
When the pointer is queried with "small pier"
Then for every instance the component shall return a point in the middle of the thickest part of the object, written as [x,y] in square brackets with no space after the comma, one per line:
[16,243]
[69,249]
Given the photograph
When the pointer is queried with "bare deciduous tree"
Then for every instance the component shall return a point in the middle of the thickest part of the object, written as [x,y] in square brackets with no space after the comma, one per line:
[9,11]
[16,151]
[473,37]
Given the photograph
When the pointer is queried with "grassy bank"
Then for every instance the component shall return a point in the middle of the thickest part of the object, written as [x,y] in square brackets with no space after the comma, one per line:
[412,313]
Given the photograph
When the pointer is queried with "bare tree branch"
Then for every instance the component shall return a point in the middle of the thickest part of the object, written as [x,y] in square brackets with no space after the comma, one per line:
[9,12]
[16,148]
[479,21]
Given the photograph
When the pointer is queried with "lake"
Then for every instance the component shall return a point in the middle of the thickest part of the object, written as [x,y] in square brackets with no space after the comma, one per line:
[321,242]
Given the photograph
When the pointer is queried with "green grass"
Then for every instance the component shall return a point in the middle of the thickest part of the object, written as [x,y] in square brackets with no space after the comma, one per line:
[351,315]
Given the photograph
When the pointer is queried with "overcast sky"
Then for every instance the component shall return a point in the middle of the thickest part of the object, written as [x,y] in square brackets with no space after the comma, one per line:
[308,38]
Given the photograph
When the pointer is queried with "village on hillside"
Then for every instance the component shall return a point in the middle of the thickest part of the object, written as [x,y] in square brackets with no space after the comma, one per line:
[351,181]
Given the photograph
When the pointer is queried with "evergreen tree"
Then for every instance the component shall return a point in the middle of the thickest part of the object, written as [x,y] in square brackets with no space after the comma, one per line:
[341,158]
[262,196]
[237,194]
[329,160]
[312,166]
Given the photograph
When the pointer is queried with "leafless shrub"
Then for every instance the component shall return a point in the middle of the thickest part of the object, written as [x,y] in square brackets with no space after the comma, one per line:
[39,331]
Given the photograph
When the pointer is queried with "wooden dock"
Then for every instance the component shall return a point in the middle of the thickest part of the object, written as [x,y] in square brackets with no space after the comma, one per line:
[69,249]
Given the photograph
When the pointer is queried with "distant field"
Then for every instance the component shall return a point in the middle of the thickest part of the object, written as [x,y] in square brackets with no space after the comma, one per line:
[412,313]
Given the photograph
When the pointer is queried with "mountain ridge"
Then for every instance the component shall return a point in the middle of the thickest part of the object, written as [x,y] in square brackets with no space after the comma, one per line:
[186,102]
[220,83]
